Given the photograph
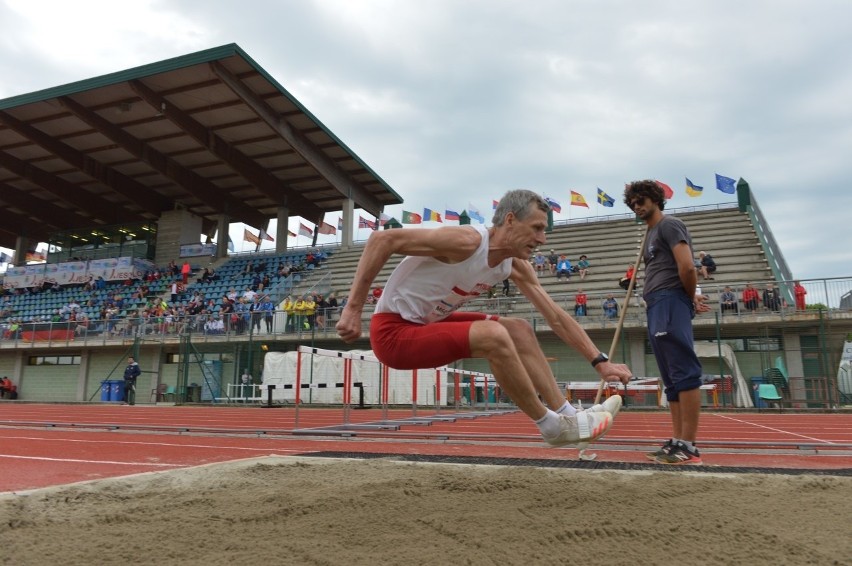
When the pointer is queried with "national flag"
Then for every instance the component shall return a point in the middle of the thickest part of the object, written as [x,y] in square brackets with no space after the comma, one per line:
[431,215]
[230,245]
[578,200]
[726,184]
[291,233]
[553,204]
[411,217]
[494,204]
[249,237]
[364,223]
[340,223]
[265,236]
[473,212]
[383,219]
[692,189]
[451,215]
[5,258]
[605,199]
[667,190]
[305,231]
[326,228]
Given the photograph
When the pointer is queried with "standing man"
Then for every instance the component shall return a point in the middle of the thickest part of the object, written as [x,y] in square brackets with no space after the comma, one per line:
[416,325]
[669,293]
[131,372]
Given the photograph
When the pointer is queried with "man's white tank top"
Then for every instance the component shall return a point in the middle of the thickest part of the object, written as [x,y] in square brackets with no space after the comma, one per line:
[423,289]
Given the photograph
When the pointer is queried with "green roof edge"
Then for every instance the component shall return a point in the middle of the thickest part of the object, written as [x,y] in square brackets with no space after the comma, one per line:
[205,56]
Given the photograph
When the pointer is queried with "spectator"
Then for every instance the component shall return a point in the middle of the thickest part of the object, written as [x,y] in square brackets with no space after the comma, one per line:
[268,308]
[624,282]
[799,292]
[707,265]
[583,266]
[580,303]
[184,272]
[563,268]
[610,307]
[728,301]
[751,300]
[506,287]
[771,298]
[539,262]
[174,292]
[286,307]
[552,260]
[8,390]
[131,372]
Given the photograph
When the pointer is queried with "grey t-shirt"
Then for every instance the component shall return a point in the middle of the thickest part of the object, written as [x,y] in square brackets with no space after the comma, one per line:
[660,265]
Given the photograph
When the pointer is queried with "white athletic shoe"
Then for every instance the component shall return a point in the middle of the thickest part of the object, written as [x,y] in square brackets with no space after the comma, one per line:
[581,428]
[612,405]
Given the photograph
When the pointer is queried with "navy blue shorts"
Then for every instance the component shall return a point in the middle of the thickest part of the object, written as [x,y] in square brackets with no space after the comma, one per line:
[670,314]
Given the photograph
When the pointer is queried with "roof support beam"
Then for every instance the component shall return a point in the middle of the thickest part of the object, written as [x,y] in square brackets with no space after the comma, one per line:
[63,190]
[198,186]
[42,209]
[23,226]
[342,181]
[133,191]
[268,184]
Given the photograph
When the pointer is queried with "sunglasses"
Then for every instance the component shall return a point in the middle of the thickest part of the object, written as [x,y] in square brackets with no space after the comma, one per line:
[634,203]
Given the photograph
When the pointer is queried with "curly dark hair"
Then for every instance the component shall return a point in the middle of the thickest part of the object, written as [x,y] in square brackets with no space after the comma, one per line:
[646,188]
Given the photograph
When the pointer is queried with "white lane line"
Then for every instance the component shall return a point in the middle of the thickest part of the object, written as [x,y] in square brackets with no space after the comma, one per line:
[178,445]
[100,462]
[775,429]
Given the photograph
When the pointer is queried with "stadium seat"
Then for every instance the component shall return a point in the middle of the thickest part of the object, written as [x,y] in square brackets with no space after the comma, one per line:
[767,392]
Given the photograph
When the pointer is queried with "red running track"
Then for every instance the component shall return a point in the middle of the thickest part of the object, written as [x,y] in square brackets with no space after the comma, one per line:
[45,445]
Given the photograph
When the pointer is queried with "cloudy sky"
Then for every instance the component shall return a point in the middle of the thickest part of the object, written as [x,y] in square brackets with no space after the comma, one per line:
[453,102]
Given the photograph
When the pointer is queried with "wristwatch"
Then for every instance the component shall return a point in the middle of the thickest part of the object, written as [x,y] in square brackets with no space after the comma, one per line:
[600,358]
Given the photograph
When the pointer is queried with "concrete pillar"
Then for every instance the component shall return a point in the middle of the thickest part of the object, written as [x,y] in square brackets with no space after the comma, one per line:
[282,230]
[348,223]
[21,244]
[222,223]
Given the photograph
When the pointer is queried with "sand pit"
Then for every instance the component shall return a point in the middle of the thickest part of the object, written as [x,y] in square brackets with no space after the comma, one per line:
[286,511]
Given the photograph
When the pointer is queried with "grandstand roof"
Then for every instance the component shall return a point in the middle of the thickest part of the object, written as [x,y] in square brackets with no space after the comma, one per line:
[211,132]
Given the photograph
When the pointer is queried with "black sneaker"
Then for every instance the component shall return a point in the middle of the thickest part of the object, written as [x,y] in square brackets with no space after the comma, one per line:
[679,454]
[664,450]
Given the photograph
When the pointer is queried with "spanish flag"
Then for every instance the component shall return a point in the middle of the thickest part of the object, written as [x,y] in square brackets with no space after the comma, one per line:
[578,200]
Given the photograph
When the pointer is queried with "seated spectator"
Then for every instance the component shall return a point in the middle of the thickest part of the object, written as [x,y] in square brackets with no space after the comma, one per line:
[583,266]
[624,282]
[708,266]
[771,297]
[377,293]
[799,292]
[8,390]
[563,268]
[610,307]
[580,301]
[552,260]
[539,262]
[750,298]
[728,301]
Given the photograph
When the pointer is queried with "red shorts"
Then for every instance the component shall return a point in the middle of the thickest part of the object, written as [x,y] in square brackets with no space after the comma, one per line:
[406,345]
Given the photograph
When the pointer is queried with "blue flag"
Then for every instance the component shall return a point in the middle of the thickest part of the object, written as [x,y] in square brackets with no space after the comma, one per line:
[726,184]
[605,199]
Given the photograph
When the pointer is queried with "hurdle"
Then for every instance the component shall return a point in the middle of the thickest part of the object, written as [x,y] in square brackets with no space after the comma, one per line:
[353,363]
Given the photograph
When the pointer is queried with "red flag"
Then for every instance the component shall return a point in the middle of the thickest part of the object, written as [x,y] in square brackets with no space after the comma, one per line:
[667,190]
[305,231]
[325,228]
[248,236]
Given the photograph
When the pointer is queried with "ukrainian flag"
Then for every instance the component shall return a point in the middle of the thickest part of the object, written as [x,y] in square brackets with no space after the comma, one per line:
[693,190]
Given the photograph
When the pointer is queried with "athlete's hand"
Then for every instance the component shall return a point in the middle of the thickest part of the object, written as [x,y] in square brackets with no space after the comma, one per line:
[700,302]
[349,325]
[614,372]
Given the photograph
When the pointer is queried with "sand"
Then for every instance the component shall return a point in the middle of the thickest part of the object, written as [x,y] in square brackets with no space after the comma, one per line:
[351,512]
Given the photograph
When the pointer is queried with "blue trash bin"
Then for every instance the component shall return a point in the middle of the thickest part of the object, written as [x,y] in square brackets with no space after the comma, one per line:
[106,387]
[117,391]
[755,383]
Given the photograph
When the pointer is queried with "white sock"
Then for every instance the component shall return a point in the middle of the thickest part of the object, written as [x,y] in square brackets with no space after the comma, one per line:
[549,424]
[567,409]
